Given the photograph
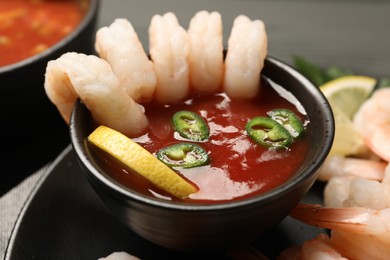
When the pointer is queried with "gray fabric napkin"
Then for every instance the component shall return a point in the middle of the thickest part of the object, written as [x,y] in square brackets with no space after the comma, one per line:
[11,204]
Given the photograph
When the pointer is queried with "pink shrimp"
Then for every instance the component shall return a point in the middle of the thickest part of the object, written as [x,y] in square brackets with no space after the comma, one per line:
[348,192]
[206,52]
[336,166]
[356,232]
[319,248]
[169,48]
[372,120]
[119,256]
[89,78]
[119,45]
[247,49]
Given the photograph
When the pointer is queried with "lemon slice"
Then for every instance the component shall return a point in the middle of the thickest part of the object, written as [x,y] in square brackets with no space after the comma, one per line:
[348,92]
[345,95]
[141,161]
[347,141]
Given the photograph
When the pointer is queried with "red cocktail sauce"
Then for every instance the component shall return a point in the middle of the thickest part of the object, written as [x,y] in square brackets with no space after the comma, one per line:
[239,167]
[28,27]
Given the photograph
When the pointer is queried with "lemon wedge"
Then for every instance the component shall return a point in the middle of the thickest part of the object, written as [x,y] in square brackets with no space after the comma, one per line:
[141,161]
[345,95]
[348,92]
[347,141]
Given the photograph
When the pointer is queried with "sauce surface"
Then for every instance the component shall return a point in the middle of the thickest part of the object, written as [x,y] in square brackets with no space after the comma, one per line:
[28,27]
[239,167]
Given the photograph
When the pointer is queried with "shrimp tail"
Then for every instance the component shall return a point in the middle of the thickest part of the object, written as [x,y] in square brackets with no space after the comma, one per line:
[319,216]
[358,220]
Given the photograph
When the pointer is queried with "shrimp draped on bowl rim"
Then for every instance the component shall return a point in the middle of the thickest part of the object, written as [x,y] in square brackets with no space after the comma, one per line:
[114,85]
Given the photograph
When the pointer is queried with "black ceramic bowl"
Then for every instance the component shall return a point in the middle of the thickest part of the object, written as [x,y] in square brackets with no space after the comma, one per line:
[25,110]
[183,226]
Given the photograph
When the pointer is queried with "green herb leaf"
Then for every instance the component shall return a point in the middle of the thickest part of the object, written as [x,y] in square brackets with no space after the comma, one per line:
[309,70]
[382,83]
[334,72]
[316,74]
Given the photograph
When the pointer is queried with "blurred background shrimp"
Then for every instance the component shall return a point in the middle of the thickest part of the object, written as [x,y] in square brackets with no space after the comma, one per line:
[119,45]
[318,248]
[357,211]
[372,120]
[169,49]
[356,232]
[119,256]
[75,75]
[247,49]
[206,52]
[337,166]
[361,192]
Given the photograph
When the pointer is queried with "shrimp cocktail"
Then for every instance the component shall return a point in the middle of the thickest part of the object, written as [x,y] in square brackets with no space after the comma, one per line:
[194,146]
[191,123]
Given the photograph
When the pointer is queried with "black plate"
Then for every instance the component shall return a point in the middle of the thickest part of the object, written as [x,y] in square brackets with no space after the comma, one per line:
[64,219]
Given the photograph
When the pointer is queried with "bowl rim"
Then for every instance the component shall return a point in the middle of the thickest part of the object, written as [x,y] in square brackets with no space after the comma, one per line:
[120,190]
[88,17]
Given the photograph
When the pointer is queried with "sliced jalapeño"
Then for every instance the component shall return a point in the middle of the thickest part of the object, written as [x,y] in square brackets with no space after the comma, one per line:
[190,126]
[289,120]
[268,133]
[184,155]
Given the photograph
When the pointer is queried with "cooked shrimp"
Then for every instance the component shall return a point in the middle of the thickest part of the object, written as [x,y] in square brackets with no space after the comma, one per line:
[337,192]
[119,256]
[351,228]
[91,79]
[206,52]
[372,120]
[351,192]
[169,48]
[119,45]
[247,49]
[354,167]
[369,193]
[319,248]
